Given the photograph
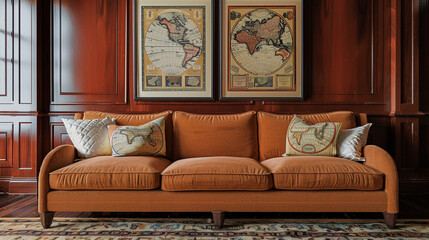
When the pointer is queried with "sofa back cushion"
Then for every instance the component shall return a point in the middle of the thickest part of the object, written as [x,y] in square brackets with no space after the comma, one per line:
[272,129]
[198,135]
[136,120]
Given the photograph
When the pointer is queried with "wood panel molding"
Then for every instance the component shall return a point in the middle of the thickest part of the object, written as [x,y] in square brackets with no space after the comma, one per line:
[59,135]
[424,56]
[346,52]
[6,144]
[18,79]
[4,183]
[405,57]
[89,52]
[23,185]
[18,185]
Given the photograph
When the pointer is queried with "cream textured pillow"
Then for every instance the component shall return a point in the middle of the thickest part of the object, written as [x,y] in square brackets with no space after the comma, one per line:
[144,140]
[351,141]
[303,138]
[90,137]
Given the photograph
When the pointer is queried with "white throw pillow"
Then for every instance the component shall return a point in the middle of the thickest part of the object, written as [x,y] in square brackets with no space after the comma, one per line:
[351,141]
[90,137]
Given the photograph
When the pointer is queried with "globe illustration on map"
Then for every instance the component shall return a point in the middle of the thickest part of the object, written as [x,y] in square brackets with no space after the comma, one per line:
[173,42]
[147,139]
[261,42]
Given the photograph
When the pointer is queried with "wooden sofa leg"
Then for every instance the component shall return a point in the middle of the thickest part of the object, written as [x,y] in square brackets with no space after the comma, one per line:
[390,219]
[46,219]
[218,217]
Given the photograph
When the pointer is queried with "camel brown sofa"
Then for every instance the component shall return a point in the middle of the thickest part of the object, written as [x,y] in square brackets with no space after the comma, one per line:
[220,163]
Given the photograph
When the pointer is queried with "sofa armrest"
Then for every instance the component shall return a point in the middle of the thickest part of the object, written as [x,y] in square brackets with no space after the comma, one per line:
[379,159]
[59,157]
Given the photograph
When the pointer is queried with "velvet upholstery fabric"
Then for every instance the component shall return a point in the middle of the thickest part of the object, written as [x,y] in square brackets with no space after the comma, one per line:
[216,173]
[206,201]
[381,160]
[110,173]
[322,173]
[57,158]
[199,135]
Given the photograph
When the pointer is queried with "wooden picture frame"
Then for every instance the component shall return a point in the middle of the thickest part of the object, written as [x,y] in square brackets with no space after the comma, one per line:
[174,50]
[261,50]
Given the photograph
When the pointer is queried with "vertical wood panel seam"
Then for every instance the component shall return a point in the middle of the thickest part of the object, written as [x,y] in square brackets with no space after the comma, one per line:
[19,145]
[13,52]
[412,51]
[372,47]
[60,53]
[9,154]
[5,49]
[19,52]
[116,46]
[5,147]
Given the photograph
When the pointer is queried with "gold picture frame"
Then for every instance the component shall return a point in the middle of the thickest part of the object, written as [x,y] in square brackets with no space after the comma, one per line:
[174,50]
[261,50]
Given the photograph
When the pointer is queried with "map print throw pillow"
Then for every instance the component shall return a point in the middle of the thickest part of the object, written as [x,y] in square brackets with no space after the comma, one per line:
[303,138]
[144,140]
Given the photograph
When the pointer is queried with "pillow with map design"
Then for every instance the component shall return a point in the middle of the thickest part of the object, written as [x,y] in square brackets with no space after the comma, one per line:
[319,139]
[144,140]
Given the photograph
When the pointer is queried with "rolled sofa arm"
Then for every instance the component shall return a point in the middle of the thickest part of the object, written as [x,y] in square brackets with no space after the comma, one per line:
[59,157]
[381,160]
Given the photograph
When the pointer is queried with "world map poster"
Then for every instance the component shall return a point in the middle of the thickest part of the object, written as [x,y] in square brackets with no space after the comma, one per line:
[174,48]
[263,58]
[262,54]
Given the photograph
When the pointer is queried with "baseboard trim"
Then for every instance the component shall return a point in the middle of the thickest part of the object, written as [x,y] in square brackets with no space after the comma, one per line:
[23,185]
[4,184]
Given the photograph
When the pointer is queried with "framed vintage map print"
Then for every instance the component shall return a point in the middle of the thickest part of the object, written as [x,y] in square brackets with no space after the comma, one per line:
[174,50]
[262,52]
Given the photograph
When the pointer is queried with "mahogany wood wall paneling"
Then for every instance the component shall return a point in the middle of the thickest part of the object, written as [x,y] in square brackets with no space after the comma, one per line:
[424,55]
[413,163]
[420,180]
[18,80]
[407,118]
[18,140]
[381,133]
[6,144]
[405,54]
[345,55]
[18,96]
[57,131]
[89,53]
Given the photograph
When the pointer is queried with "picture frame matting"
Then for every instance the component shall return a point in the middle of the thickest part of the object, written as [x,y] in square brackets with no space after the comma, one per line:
[257,64]
[173,56]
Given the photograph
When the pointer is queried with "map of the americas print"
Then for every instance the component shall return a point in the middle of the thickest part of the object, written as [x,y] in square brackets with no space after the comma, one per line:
[173,43]
[261,42]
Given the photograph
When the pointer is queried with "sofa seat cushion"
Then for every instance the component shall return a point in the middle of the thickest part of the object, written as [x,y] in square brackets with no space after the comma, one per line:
[322,173]
[216,173]
[110,173]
